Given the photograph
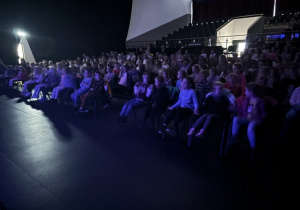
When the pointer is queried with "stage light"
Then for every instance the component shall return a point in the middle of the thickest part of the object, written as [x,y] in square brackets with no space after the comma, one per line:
[21,33]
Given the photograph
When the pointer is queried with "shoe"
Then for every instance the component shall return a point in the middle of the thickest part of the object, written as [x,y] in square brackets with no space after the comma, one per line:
[34,96]
[163,129]
[27,95]
[42,99]
[171,131]
[191,132]
[200,134]
[81,110]
[85,110]
[106,106]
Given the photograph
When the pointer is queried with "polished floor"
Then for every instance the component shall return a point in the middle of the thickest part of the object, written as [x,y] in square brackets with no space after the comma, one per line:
[51,158]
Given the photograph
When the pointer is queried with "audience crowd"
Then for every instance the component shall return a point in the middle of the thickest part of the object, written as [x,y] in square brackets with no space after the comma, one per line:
[262,83]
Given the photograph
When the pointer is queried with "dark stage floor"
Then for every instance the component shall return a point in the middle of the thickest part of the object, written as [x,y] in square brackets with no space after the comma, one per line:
[51,158]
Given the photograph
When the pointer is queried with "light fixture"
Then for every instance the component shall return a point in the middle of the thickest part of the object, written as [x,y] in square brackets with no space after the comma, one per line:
[21,33]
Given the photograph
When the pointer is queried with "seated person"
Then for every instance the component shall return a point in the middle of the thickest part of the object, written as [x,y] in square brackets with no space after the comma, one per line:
[166,76]
[21,76]
[99,87]
[213,76]
[123,83]
[186,105]
[52,80]
[215,107]
[253,115]
[292,115]
[84,87]
[142,91]
[232,85]
[37,78]
[67,81]
[180,76]
[159,100]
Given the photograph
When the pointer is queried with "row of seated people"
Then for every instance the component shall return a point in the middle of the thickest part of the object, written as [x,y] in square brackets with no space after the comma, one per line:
[251,110]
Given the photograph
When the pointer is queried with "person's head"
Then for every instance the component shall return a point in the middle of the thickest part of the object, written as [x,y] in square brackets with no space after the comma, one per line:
[87,73]
[181,74]
[204,74]
[117,66]
[232,79]
[262,80]
[159,82]
[203,66]
[98,75]
[213,71]
[125,68]
[187,83]
[67,70]
[21,69]
[237,68]
[146,78]
[217,88]
[166,74]
[253,90]
[59,65]
[109,69]
[196,69]
[52,70]
[37,70]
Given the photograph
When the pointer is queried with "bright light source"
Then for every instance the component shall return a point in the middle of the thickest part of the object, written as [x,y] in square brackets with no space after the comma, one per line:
[241,47]
[21,33]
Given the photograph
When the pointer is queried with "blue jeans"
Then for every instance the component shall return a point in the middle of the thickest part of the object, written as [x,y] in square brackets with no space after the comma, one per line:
[127,108]
[238,122]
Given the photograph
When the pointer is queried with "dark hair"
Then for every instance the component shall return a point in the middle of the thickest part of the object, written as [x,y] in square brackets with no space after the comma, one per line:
[239,66]
[160,79]
[205,73]
[214,69]
[98,72]
[68,70]
[190,80]
[203,66]
[254,88]
[183,73]
[197,67]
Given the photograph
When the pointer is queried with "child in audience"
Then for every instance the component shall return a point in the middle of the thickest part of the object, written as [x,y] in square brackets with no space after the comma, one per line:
[232,85]
[253,115]
[21,76]
[215,107]
[142,91]
[186,105]
[159,100]
[237,68]
[67,81]
[180,76]
[99,87]
[291,116]
[84,87]
[37,78]
[213,77]
[166,76]
[52,80]
[123,83]
[109,76]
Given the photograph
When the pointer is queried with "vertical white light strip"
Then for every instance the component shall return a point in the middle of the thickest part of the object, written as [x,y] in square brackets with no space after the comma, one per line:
[274,9]
[192,12]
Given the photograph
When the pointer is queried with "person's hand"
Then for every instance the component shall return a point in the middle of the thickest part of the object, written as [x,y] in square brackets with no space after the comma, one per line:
[196,111]
[170,108]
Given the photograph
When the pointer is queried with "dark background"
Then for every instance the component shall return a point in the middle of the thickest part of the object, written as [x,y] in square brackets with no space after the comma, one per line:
[64,29]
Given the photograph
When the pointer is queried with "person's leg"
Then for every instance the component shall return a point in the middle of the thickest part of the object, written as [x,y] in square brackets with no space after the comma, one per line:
[236,125]
[251,133]
[180,115]
[84,99]
[290,117]
[209,120]
[200,121]
[170,115]
[129,106]
[25,87]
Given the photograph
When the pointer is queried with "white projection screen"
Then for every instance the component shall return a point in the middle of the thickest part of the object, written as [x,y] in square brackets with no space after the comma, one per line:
[156,18]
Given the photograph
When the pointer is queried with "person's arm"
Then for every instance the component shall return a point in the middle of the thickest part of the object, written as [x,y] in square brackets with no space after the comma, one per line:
[293,98]
[135,88]
[195,101]
[177,104]
[149,91]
